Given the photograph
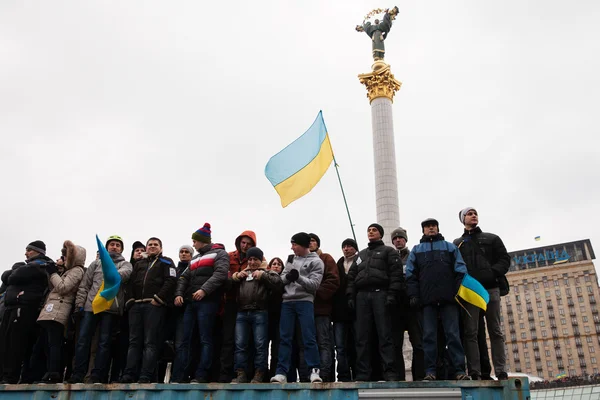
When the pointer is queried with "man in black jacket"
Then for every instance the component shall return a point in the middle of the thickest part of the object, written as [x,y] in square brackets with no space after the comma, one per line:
[487,261]
[374,281]
[151,285]
[26,287]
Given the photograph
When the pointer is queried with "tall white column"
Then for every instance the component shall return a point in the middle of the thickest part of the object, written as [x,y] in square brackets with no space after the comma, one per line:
[386,179]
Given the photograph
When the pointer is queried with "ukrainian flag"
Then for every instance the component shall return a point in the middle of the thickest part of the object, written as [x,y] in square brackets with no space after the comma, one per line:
[473,292]
[111,283]
[295,170]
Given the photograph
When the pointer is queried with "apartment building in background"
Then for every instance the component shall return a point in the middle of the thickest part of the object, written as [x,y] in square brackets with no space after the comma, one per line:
[550,317]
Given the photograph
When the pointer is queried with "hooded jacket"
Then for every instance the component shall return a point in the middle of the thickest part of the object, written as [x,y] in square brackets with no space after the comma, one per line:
[153,278]
[92,281]
[434,271]
[236,262]
[255,294]
[310,269]
[27,283]
[207,271]
[59,303]
[485,256]
[328,287]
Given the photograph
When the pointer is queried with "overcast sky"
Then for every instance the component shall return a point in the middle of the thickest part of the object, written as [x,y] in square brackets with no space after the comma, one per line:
[149,118]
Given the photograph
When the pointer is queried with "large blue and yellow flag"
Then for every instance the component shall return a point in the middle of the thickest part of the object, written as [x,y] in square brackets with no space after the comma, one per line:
[473,292]
[111,283]
[295,170]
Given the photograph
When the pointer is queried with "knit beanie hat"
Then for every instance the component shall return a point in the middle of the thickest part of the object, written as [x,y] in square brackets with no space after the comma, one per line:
[462,213]
[429,221]
[399,232]
[350,242]
[314,236]
[302,239]
[255,252]
[38,246]
[378,227]
[202,234]
[188,248]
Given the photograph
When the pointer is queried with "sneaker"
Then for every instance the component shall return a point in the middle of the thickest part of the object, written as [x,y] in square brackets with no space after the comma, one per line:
[259,377]
[314,376]
[240,377]
[199,379]
[462,377]
[94,380]
[279,378]
[502,376]
[429,377]
[475,377]
[144,380]
[74,379]
[126,379]
[50,378]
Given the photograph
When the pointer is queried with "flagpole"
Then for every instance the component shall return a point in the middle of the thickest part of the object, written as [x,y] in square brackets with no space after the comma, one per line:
[339,178]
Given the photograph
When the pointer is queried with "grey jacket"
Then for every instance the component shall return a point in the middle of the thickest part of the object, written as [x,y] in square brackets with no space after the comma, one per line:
[92,280]
[311,270]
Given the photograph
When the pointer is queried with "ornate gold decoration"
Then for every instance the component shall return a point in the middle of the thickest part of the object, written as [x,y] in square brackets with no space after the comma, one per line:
[393,12]
[380,82]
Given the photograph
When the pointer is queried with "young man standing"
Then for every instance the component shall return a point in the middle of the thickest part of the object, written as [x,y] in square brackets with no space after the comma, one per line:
[487,261]
[301,276]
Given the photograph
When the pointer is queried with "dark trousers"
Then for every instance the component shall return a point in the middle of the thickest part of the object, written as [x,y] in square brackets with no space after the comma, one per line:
[201,314]
[228,341]
[449,316]
[119,347]
[17,336]
[370,307]
[274,340]
[407,319]
[104,322]
[325,344]
[54,332]
[484,356]
[145,324]
[343,336]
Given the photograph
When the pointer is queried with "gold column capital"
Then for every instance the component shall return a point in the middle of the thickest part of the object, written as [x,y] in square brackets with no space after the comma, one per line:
[380,82]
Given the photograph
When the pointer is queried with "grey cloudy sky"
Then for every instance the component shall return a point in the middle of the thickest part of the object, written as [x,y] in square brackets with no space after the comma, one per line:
[149,118]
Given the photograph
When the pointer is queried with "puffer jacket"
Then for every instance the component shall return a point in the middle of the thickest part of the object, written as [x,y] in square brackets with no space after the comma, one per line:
[64,287]
[255,294]
[328,287]
[485,256]
[92,281]
[27,284]
[153,278]
[238,263]
[207,271]
[434,271]
[378,267]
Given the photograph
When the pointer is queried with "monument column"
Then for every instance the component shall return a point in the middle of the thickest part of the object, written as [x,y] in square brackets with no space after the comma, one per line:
[381,88]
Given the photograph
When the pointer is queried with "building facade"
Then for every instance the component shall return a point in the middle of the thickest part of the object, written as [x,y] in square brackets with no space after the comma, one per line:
[550,316]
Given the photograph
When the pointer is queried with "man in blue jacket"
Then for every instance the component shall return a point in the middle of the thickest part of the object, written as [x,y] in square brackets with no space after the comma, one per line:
[434,272]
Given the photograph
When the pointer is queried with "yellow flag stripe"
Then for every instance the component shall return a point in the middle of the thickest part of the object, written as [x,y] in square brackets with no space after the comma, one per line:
[472,297]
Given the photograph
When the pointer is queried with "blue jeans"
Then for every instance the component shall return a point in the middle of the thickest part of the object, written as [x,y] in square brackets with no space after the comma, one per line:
[304,311]
[87,329]
[325,343]
[258,321]
[145,322]
[340,336]
[450,317]
[203,313]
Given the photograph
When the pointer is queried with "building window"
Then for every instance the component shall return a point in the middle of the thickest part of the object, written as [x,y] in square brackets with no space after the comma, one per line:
[513,337]
[571,361]
[516,288]
[585,318]
[590,290]
[555,283]
[542,323]
[525,345]
[518,298]
[567,290]
[592,349]
[536,285]
[563,321]
[565,331]
[561,311]
[522,325]
[540,313]
[578,289]
[548,363]
[539,304]
[592,299]
[544,334]
[587,329]
[586,278]
[547,295]
[566,281]
[593,360]
[588,339]
[546,284]
[559,302]
[547,353]
[580,299]
[519,309]
[523,335]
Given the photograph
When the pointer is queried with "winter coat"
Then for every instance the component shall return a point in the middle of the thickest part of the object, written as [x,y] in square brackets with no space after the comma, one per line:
[27,284]
[153,278]
[378,267]
[328,287]
[434,271]
[340,311]
[207,271]
[485,256]
[59,303]
[92,281]
[236,262]
[310,269]
[255,294]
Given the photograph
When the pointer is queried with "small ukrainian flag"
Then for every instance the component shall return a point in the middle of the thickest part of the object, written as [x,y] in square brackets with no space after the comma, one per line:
[473,292]
[295,170]
[538,238]
[111,283]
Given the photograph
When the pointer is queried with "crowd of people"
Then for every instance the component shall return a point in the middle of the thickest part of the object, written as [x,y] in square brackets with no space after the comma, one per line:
[236,318]
[566,381]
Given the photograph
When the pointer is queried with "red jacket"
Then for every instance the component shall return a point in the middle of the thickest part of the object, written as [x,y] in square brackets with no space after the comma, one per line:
[236,263]
[329,285]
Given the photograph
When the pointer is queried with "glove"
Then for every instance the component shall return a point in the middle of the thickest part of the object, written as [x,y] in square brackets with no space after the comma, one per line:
[78,312]
[51,269]
[351,304]
[390,301]
[292,276]
[414,302]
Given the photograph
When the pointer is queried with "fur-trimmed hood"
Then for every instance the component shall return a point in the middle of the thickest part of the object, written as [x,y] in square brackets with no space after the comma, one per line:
[75,256]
